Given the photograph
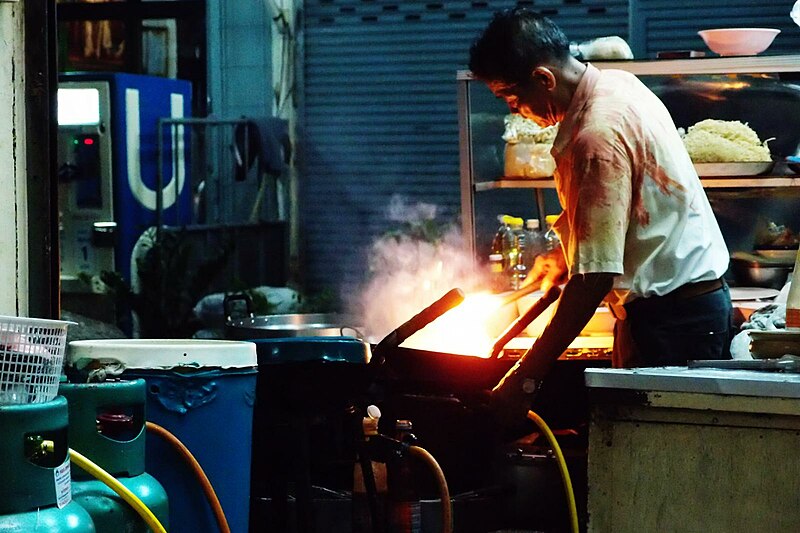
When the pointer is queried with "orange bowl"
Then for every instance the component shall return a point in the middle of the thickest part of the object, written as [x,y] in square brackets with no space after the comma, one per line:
[739,41]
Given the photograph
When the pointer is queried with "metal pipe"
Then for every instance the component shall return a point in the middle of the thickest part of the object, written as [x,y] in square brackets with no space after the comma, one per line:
[159,175]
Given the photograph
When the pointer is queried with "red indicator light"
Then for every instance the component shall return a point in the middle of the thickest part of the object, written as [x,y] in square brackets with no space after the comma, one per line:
[88,141]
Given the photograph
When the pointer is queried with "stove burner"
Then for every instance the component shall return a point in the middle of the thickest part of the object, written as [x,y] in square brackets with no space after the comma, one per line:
[572,354]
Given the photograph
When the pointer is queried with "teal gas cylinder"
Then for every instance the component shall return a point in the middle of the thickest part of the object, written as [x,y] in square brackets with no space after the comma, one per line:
[106,424]
[34,485]
[202,391]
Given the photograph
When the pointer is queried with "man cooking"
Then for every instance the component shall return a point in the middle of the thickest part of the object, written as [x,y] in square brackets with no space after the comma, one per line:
[637,229]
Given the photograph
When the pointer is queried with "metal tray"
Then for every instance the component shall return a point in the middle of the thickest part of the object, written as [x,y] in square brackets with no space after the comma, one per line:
[774,344]
[732,169]
[784,364]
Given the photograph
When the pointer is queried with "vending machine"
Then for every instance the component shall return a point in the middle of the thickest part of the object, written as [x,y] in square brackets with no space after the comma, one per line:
[109,153]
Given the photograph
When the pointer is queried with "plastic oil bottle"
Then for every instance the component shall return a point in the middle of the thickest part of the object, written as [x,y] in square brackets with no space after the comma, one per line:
[793,298]
[502,235]
[496,272]
[551,240]
[534,242]
[498,255]
[516,271]
[519,270]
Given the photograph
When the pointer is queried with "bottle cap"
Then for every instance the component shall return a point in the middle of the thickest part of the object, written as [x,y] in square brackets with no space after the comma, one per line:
[515,221]
[551,219]
[532,223]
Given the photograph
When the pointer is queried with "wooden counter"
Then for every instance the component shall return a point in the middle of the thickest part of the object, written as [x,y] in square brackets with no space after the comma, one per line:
[693,450]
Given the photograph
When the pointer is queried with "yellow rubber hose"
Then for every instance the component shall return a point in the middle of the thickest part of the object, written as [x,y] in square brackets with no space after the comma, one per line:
[444,492]
[562,466]
[123,492]
[205,484]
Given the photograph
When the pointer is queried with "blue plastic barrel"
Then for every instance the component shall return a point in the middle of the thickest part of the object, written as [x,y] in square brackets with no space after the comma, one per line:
[202,391]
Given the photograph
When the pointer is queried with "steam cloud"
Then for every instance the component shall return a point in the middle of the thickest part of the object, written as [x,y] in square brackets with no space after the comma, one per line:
[412,267]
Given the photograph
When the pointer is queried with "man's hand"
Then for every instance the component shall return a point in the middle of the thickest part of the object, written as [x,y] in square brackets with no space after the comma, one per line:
[511,398]
[549,268]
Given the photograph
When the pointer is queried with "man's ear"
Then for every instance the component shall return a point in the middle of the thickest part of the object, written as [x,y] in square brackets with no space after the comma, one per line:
[544,76]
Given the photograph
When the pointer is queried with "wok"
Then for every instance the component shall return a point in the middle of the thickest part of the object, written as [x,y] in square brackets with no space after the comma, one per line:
[421,370]
[306,390]
[446,395]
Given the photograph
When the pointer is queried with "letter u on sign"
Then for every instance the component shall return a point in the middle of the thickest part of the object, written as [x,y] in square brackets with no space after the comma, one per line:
[174,185]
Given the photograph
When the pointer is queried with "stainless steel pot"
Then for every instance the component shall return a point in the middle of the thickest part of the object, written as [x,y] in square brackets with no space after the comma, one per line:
[753,273]
[292,325]
[285,325]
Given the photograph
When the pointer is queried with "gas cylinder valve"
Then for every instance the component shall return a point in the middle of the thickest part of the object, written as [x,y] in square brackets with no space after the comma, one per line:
[369,423]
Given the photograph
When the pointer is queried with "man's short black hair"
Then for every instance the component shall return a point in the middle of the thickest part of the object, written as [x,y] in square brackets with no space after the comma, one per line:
[514,43]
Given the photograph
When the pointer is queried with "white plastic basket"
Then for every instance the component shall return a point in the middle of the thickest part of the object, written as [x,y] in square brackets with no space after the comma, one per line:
[31,358]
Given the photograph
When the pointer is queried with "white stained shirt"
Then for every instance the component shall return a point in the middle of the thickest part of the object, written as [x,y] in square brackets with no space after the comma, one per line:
[633,204]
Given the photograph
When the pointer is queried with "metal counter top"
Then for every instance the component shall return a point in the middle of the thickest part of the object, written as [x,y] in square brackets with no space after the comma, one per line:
[697,380]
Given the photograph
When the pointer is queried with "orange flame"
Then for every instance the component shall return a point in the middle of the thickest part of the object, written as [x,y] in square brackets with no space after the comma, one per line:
[469,329]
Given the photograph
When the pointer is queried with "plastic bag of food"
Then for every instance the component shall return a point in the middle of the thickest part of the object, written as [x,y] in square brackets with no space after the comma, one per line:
[610,48]
[528,145]
[528,159]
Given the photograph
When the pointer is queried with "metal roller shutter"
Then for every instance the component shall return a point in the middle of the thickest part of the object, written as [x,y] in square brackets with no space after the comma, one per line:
[379,114]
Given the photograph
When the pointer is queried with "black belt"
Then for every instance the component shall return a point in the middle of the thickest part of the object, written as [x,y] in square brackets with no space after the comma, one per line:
[684,292]
[690,290]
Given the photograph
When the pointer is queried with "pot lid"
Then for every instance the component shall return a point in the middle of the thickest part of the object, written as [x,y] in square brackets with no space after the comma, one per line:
[293,322]
[164,353]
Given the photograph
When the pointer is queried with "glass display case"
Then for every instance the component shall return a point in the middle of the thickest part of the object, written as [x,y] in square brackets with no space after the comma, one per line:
[762,91]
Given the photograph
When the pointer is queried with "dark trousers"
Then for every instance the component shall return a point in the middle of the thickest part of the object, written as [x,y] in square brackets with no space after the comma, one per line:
[669,331]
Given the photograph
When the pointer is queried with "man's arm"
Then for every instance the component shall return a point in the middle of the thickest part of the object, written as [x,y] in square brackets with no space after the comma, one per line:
[578,302]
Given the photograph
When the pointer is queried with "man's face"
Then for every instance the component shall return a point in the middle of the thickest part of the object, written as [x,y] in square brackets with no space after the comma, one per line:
[526,99]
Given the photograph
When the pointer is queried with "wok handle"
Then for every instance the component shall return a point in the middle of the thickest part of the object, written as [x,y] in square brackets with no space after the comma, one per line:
[524,291]
[416,323]
[516,327]
[453,298]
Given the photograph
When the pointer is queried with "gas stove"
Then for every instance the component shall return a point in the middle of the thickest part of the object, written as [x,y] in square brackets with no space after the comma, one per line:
[584,347]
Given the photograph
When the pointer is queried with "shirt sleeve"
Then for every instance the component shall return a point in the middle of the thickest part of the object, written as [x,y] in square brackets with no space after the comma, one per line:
[600,215]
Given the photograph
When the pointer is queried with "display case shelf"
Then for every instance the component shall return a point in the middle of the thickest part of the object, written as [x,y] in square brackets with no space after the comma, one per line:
[478,114]
[707,65]
[733,182]
[694,66]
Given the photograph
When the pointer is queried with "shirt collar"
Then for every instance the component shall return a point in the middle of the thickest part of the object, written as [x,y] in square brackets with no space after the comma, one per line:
[579,99]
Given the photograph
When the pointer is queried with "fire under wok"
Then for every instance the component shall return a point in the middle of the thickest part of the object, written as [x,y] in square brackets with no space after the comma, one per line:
[448,371]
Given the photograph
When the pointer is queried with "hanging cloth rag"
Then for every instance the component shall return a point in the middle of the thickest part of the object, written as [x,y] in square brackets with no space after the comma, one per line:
[265,140]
